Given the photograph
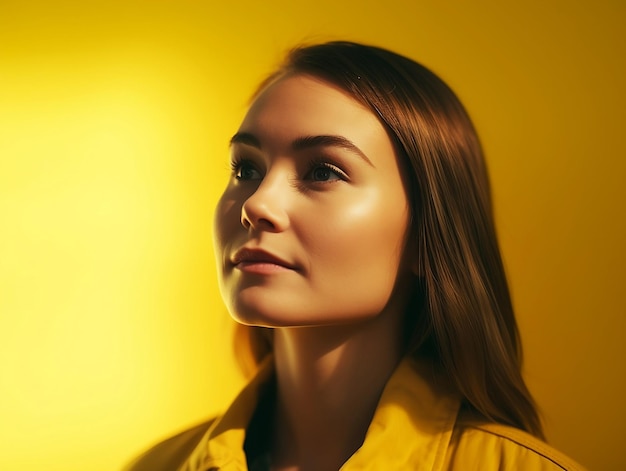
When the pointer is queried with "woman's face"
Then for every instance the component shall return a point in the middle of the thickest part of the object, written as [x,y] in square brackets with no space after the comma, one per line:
[311,228]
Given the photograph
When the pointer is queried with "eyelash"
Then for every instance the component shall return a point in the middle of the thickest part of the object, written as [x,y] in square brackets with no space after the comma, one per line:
[237,164]
[319,163]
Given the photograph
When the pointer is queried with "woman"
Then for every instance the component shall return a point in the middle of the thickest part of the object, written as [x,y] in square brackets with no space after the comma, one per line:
[356,249]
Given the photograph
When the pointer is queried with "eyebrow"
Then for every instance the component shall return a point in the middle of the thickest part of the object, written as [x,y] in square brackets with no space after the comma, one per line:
[305,142]
[245,138]
[308,142]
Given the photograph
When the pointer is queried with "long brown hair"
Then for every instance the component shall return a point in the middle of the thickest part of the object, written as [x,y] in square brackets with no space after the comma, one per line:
[464,318]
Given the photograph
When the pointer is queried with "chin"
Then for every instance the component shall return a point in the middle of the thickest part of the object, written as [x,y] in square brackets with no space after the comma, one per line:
[253,307]
[275,319]
[254,318]
[257,316]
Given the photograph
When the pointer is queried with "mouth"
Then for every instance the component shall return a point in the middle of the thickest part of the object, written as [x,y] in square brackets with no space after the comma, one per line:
[259,261]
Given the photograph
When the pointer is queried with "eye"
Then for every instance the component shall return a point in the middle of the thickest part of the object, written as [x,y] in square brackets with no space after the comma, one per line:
[245,170]
[324,172]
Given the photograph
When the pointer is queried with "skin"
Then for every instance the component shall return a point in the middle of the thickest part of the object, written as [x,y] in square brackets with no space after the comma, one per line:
[311,236]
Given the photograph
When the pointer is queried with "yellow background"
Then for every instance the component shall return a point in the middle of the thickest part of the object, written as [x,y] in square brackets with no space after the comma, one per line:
[114,122]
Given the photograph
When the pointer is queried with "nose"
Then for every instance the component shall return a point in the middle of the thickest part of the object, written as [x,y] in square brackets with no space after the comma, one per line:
[265,208]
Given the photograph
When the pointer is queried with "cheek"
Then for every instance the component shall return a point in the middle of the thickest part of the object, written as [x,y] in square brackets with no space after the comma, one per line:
[226,222]
[226,226]
[364,234]
[356,255]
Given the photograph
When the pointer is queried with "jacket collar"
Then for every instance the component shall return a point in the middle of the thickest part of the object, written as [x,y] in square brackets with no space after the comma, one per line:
[411,427]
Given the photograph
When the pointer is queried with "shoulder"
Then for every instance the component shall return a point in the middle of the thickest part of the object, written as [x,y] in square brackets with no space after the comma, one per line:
[170,453]
[488,446]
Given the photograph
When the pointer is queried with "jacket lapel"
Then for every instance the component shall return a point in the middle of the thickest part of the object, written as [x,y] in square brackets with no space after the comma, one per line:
[411,428]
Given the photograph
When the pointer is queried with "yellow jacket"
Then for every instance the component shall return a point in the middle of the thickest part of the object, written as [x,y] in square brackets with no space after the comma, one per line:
[415,427]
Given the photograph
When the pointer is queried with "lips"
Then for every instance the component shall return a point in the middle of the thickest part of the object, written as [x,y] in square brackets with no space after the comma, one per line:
[246,257]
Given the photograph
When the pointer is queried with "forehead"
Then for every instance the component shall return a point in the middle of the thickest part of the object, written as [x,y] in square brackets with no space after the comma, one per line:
[302,104]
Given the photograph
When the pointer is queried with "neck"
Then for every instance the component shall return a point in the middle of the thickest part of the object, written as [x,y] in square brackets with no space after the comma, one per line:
[329,382]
